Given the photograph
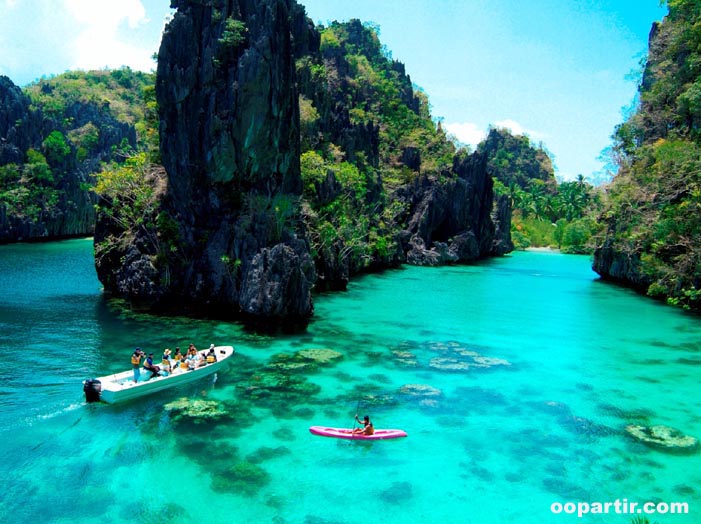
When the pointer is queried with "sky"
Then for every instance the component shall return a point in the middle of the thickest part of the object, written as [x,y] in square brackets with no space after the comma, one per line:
[563,72]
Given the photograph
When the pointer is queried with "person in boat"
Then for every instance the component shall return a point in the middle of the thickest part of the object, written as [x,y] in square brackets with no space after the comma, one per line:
[177,356]
[165,361]
[367,429]
[149,365]
[191,360]
[211,356]
[136,357]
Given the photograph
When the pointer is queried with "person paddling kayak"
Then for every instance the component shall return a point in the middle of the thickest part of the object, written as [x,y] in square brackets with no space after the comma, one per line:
[367,429]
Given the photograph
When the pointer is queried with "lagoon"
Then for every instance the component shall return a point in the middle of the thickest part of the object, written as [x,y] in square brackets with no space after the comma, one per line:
[492,444]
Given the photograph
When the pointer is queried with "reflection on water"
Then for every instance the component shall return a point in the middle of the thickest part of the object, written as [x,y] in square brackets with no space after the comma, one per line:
[514,378]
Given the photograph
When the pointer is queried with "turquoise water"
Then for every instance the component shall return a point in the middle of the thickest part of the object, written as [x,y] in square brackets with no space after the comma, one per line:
[490,445]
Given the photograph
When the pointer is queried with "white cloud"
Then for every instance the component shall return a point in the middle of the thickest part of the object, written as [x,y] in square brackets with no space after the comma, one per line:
[107,14]
[470,134]
[466,132]
[98,41]
[10,3]
[518,129]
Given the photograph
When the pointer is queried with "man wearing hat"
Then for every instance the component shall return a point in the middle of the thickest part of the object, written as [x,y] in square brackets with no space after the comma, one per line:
[148,365]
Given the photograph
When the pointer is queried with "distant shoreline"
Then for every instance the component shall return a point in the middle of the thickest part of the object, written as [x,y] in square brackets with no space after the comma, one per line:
[543,249]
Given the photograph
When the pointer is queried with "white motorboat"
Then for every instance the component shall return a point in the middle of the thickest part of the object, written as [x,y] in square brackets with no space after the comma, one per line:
[121,386]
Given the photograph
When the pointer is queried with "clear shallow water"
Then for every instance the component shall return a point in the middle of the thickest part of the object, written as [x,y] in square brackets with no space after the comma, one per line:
[498,444]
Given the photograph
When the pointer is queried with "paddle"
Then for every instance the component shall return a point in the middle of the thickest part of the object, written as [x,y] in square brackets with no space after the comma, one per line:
[357,407]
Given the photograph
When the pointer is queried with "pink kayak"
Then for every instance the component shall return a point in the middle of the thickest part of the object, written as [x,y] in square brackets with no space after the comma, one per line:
[380,434]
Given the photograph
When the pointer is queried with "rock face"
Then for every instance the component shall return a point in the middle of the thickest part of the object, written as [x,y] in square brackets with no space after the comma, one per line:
[501,217]
[451,222]
[231,234]
[613,263]
[58,205]
[20,128]
[230,146]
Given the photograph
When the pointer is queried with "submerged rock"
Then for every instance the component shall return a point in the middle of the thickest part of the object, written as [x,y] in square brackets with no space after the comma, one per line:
[320,355]
[398,493]
[197,411]
[243,478]
[420,390]
[469,360]
[664,438]
[449,364]
[404,358]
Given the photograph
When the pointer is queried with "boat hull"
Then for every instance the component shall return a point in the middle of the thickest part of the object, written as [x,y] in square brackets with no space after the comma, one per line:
[120,387]
[345,433]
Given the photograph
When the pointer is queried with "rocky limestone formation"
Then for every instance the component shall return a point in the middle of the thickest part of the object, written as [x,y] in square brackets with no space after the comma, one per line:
[70,210]
[617,265]
[229,130]
[501,217]
[123,259]
[451,221]
[231,235]
[20,128]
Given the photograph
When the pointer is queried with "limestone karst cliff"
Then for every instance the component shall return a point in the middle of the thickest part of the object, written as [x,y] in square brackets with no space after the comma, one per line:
[230,147]
[652,236]
[50,144]
[285,171]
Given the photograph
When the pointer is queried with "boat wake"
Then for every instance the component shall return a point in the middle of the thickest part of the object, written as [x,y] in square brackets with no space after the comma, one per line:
[62,411]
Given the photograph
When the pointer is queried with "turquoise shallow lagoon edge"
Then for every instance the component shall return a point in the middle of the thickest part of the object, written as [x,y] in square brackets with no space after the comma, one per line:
[514,378]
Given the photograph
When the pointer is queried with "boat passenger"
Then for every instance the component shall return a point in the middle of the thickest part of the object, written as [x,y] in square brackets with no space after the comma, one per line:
[184,364]
[165,361]
[136,357]
[148,365]
[177,356]
[191,360]
[367,429]
[212,355]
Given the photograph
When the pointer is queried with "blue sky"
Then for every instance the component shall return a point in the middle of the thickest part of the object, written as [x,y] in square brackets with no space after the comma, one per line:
[557,70]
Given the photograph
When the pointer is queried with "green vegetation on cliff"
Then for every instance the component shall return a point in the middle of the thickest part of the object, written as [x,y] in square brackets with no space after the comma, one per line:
[65,127]
[653,211]
[28,191]
[83,103]
[365,132]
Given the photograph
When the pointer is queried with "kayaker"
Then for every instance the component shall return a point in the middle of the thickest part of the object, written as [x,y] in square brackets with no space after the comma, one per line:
[136,357]
[367,429]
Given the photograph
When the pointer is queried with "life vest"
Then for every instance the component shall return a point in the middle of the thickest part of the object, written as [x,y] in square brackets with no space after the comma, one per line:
[211,359]
[135,360]
[183,364]
[165,362]
[177,357]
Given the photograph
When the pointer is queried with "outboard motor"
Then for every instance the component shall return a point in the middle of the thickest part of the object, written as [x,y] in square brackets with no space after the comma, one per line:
[92,388]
